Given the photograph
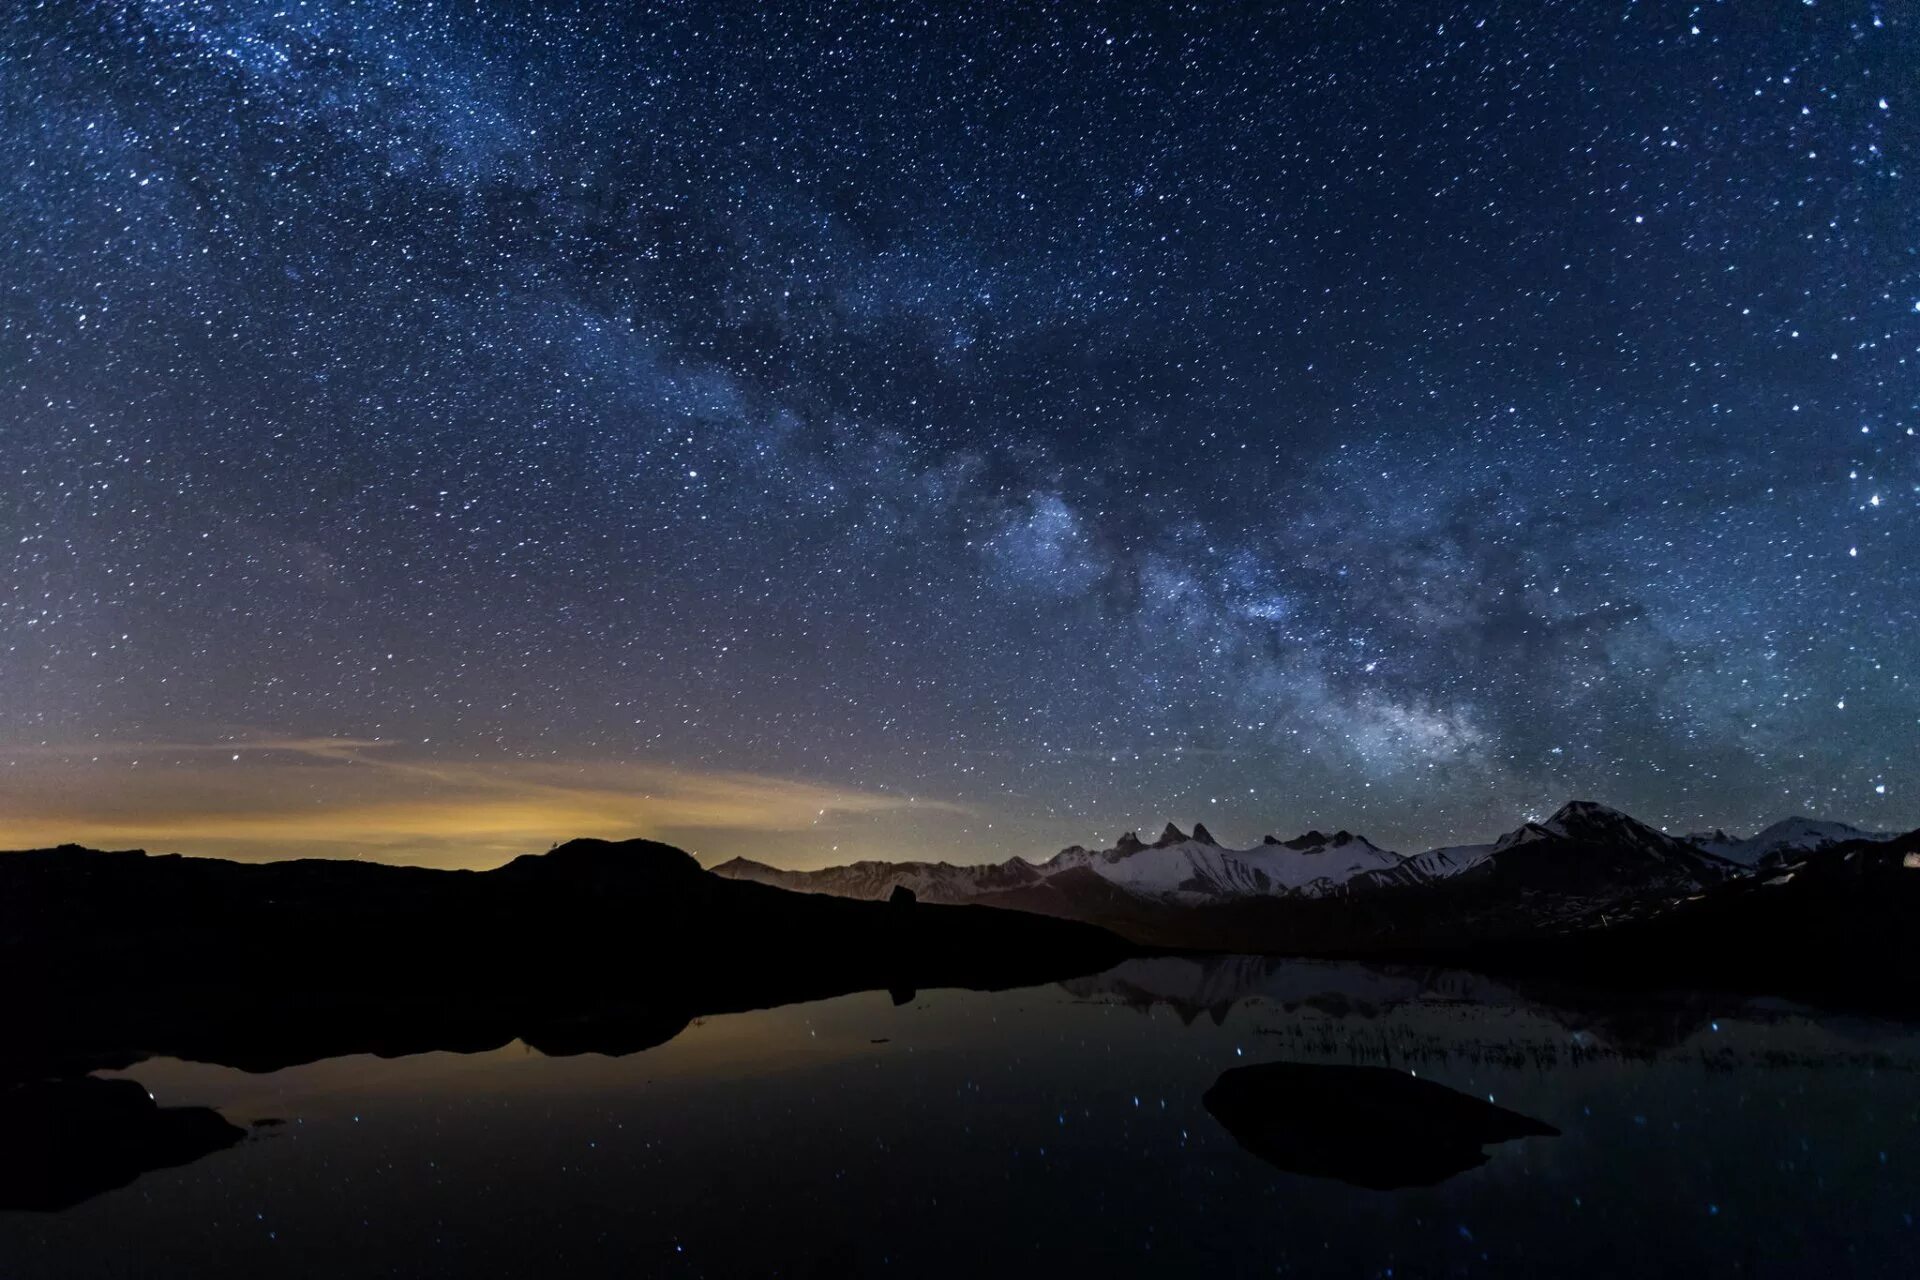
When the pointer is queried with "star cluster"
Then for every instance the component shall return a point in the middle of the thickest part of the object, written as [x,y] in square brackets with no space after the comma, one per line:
[1392,416]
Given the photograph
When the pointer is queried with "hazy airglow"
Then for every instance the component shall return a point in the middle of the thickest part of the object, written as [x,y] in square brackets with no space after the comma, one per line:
[275,798]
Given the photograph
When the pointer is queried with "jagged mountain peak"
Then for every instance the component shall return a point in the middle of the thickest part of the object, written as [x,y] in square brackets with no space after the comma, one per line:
[1315,841]
[1589,822]
[1582,814]
[1201,834]
[1129,842]
[735,865]
[1526,833]
[1171,835]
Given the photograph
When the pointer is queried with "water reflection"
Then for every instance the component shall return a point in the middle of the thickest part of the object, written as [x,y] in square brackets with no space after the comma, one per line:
[1036,1129]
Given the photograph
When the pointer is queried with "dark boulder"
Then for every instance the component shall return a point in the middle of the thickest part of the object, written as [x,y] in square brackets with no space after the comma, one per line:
[1369,1126]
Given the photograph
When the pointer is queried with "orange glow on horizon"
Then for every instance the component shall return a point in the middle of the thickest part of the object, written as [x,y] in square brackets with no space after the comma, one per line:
[283,798]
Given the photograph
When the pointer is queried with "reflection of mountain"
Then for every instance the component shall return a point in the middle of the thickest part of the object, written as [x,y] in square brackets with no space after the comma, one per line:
[1370,1126]
[1212,985]
[1570,880]
[592,946]
[70,1140]
[1189,985]
[1591,1017]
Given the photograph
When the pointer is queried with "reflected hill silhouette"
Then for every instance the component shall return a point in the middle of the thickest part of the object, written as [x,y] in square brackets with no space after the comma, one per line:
[595,946]
[70,1140]
[1371,1127]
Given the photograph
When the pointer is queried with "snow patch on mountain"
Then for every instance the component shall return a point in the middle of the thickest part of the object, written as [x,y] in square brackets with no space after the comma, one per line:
[1191,869]
[1450,860]
[1175,868]
[1183,868]
[1784,841]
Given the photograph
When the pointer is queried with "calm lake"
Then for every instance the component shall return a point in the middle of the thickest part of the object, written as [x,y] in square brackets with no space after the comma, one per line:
[1056,1127]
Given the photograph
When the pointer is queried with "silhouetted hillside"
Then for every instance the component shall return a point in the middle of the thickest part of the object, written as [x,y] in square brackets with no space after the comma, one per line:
[1840,923]
[595,945]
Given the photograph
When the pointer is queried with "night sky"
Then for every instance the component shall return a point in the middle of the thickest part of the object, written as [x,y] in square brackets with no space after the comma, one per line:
[431,430]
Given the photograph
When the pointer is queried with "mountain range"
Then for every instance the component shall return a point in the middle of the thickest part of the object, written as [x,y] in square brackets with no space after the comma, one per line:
[1340,892]
[613,946]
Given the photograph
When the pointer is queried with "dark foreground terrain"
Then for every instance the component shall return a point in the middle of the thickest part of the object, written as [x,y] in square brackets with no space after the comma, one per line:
[115,957]
[617,946]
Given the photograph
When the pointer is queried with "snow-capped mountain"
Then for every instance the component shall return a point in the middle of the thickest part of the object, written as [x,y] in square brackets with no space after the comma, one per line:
[1194,868]
[1448,860]
[1785,841]
[1183,887]
[1586,854]
[1580,821]
[1177,868]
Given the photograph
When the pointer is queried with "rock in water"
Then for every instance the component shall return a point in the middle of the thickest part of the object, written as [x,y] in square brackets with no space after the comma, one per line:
[1369,1126]
[70,1140]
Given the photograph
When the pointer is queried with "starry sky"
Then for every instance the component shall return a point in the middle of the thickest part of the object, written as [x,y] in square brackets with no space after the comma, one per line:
[431,429]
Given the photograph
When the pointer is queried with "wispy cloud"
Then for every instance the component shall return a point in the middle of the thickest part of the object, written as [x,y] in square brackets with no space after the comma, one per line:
[284,797]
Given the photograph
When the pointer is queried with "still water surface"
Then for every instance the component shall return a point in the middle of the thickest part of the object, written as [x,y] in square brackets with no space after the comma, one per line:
[1054,1127]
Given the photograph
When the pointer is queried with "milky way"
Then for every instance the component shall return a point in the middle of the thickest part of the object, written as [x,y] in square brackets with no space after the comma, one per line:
[1015,423]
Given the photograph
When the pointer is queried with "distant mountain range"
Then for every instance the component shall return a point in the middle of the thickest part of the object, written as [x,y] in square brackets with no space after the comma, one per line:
[1195,869]
[1177,867]
[1784,841]
[1341,892]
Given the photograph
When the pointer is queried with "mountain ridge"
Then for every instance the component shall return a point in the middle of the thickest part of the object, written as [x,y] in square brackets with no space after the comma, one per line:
[1201,866]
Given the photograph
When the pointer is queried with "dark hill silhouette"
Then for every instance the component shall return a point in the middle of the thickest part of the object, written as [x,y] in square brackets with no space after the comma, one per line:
[1839,924]
[595,945]
[1626,909]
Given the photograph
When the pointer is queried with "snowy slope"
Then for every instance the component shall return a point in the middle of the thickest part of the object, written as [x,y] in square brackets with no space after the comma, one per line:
[1182,868]
[1176,868]
[1784,841]
[1450,860]
[1577,820]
